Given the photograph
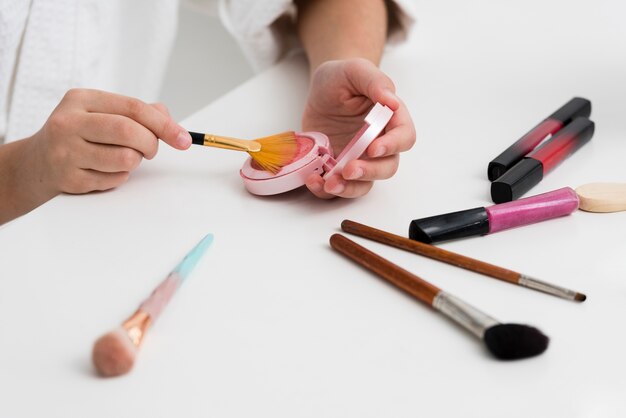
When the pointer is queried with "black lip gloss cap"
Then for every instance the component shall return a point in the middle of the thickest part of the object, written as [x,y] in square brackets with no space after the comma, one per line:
[577,107]
[496,168]
[465,223]
[517,181]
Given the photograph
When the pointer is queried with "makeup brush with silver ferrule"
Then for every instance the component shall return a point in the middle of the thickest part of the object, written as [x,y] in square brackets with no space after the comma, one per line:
[504,341]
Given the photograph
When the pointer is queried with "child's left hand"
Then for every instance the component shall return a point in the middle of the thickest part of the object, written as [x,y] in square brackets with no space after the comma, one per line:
[341,95]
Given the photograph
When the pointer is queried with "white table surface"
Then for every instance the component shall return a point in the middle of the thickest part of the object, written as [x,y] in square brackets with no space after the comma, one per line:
[273,322]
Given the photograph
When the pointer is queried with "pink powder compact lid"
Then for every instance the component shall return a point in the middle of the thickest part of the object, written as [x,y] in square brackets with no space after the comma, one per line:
[314,155]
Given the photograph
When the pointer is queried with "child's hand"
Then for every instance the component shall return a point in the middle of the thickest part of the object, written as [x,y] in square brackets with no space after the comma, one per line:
[341,94]
[93,140]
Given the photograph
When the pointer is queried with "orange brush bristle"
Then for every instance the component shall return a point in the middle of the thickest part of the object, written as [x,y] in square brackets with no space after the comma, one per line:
[271,153]
[276,151]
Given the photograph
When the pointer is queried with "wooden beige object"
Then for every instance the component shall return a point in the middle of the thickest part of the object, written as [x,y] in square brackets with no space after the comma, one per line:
[602,197]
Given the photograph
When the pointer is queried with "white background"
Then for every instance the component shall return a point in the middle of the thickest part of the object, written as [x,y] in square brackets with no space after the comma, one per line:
[205,63]
[273,322]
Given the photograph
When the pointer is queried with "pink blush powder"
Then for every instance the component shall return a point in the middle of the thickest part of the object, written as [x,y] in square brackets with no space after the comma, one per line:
[304,146]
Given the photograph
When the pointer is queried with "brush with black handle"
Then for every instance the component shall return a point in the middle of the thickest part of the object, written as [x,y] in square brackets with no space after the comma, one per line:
[271,153]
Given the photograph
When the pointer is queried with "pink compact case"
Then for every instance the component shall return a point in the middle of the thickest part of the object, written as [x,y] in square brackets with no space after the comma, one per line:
[315,155]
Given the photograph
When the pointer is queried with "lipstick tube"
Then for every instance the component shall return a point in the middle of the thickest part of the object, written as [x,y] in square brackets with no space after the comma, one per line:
[487,220]
[577,107]
[530,170]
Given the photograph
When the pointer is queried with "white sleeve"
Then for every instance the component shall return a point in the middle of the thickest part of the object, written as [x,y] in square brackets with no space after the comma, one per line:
[265,30]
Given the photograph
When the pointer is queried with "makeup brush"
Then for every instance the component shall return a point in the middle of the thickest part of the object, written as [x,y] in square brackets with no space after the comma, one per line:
[271,153]
[504,341]
[459,260]
[114,353]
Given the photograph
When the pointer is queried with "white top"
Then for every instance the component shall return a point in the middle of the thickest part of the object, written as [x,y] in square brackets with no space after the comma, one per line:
[272,322]
[48,47]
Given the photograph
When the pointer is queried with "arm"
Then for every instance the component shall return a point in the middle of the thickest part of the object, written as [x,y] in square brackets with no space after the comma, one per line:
[22,188]
[344,41]
[342,29]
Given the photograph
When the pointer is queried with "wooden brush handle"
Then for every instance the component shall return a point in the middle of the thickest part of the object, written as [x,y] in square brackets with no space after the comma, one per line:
[430,251]
[394,274]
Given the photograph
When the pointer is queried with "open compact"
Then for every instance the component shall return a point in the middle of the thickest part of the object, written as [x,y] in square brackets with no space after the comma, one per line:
[315,155]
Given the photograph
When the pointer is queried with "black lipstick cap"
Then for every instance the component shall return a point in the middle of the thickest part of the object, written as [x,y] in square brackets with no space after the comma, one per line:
[465,223]
[577,107]
[517,181]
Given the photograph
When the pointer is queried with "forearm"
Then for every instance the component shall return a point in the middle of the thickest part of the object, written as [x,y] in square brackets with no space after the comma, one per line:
[21,189]
[342,29]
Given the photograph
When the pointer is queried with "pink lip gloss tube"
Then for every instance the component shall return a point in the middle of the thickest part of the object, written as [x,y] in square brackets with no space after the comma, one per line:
[490,219]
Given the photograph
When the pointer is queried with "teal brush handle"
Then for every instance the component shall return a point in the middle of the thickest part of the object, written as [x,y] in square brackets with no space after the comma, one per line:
[161,296]
[191,259]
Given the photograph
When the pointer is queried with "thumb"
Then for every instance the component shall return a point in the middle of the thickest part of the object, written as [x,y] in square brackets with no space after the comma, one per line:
[368,80]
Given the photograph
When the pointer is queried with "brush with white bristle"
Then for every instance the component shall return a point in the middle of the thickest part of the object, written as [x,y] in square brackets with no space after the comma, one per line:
[504,341]
[271,153]
[114,353]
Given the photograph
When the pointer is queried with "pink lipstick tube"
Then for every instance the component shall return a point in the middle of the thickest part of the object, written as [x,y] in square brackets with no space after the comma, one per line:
[490,219]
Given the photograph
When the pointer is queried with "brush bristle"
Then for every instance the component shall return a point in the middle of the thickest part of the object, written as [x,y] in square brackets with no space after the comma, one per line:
[114,353]
[515,341]
[276,151]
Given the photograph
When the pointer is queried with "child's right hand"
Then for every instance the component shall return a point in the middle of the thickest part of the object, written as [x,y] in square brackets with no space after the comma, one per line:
[94,139]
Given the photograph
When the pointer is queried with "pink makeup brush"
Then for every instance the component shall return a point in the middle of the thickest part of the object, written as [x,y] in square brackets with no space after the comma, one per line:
[114,353]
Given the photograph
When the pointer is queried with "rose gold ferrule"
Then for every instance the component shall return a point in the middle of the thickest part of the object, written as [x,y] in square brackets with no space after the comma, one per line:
[136,326]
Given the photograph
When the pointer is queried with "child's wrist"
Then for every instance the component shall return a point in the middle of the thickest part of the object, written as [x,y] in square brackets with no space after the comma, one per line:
[34,172]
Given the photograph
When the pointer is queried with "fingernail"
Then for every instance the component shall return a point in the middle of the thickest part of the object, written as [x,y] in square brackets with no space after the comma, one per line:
[391,95]
[356,174]
[184,139]
[380,151]
[338,188]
